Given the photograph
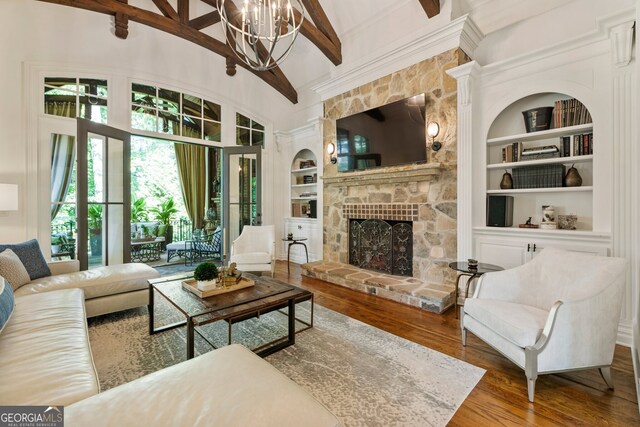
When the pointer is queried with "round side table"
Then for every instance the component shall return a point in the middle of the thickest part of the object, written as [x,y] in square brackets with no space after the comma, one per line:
[295,241]
[462,267]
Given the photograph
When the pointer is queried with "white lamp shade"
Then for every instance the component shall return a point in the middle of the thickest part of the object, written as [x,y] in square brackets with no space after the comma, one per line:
[433,129]
[8,197]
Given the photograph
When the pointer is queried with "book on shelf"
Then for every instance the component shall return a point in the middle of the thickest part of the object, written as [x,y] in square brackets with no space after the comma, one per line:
[543,176]
[512,152]
[543,152]
[580,145]
[570,112]
[305,164]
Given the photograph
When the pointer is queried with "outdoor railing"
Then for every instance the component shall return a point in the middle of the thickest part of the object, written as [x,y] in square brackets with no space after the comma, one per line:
[182,229]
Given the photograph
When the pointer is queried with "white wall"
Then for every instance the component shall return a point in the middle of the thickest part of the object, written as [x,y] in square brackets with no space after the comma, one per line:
[40,38]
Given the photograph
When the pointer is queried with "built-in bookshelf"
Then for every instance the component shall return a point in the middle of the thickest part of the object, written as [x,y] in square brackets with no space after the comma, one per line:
[538,161]
[304,185]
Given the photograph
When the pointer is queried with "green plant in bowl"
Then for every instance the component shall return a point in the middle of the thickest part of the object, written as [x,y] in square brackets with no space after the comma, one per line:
[205,272]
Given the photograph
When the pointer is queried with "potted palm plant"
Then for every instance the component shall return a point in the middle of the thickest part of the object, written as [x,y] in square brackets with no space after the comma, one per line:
[164,214]
[139,211]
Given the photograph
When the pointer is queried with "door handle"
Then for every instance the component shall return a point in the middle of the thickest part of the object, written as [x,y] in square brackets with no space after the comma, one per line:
[528,247]
[534,247]
[299,227]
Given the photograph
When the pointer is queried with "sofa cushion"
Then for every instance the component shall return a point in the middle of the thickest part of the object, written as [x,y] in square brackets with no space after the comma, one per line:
[45,357]
[12,269]
[7,302]
[227,387]
[252,258]
[31,256]
[518,323]
[97,282]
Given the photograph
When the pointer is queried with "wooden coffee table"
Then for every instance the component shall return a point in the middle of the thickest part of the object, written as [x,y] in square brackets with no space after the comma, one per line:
[266,296]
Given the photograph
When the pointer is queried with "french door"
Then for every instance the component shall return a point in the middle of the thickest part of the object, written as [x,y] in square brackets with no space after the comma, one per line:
[104,194]
[242,189]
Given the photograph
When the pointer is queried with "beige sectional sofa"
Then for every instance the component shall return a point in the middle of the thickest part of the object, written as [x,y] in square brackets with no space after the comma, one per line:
[45,359]
[106,289]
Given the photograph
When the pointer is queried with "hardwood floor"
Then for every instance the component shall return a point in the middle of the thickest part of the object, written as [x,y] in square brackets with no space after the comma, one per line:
[500,398]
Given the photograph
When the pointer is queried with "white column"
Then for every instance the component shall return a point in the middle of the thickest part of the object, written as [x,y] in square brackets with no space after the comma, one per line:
[625,168]
[465,74]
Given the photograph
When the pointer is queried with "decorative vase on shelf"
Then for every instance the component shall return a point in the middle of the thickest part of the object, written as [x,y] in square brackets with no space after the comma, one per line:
[572,178]
[507,181]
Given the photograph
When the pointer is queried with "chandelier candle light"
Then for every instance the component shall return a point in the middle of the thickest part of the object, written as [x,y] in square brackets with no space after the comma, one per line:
[263,32]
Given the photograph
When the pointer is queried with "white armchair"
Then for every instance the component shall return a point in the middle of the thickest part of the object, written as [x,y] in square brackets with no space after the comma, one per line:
[254,249]
[558,312]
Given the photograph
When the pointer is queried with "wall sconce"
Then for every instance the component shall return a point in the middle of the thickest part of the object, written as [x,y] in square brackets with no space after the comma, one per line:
[331,149]
[433,129]
[8,197]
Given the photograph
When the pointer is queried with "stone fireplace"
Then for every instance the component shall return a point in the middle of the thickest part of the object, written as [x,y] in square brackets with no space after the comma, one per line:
[420,196]
[419,200]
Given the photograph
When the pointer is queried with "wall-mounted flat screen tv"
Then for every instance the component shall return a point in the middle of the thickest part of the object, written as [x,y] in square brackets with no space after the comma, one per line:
[393,134]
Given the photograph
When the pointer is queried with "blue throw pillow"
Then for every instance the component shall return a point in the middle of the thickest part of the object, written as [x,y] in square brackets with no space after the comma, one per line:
[31,257]
[6,302]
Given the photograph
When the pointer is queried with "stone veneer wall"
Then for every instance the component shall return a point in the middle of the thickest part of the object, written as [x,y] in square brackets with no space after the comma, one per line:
[434,230]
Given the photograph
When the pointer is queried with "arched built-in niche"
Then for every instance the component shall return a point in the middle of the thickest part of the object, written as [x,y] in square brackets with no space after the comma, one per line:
[304,185]
[508,129]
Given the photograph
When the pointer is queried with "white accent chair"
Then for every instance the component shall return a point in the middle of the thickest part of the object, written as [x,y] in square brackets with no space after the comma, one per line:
[558,312]
[254,249]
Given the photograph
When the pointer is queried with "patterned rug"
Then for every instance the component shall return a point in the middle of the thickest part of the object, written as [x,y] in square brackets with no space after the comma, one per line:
[364,375]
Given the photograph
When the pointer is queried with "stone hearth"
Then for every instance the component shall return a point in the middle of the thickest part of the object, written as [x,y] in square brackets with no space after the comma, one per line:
[406,290]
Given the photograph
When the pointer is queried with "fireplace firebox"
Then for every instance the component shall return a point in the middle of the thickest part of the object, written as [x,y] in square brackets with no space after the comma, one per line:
[379,245]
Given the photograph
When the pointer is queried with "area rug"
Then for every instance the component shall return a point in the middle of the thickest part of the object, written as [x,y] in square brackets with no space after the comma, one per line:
[365,376]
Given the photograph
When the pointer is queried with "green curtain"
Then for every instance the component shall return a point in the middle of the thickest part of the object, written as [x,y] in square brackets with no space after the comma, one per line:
[191,160]
[63,109]
[63,156]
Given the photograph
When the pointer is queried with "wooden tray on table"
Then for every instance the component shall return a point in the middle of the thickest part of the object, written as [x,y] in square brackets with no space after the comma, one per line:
[192,286]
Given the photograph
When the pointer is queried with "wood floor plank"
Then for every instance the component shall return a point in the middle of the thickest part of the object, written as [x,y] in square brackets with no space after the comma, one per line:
[500,398]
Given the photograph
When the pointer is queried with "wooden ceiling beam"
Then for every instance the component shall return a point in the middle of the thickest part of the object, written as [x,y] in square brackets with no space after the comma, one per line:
[431,7]
[166,9]
[206,20]
[184,31]
[213,3]
[320,40]
[183,11]
[316,12]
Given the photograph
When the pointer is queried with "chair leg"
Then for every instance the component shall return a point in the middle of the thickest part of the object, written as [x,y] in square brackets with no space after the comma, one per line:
[531,371]
[606,376]
[531,387]
[463,331]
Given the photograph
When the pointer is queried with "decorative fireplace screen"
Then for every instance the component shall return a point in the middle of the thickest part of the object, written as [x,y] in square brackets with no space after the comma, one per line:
[385,246]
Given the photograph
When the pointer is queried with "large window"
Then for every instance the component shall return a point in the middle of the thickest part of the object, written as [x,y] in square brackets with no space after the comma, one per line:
[170,112]
[73,97]
[248,132]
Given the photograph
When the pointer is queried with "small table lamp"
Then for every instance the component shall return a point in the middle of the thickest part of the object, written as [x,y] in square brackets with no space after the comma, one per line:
[8,197]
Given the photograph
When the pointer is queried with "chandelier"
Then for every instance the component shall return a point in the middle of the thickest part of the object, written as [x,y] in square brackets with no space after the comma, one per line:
[262,33]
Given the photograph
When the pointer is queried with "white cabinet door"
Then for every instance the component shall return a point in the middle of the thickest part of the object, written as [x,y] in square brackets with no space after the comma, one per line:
[507,253]
[592,249]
